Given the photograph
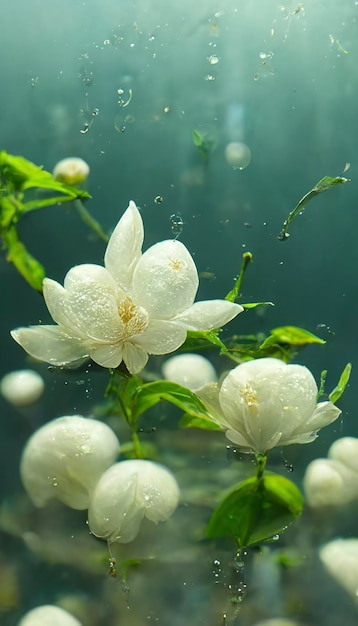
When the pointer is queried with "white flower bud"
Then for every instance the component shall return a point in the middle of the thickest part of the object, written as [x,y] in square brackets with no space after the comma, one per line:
[328,482]
[345,450]
[127,492]
[238,155]
[277,621]
[340,558]
[22,387]
[190,370]
[64,459]
[49,615]
[71,171]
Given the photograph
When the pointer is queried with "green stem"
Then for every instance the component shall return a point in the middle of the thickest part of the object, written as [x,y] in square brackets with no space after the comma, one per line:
[235,291]
[90,221]
[261,464]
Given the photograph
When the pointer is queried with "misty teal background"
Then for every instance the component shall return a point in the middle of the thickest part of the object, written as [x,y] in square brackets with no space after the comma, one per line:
[298,115]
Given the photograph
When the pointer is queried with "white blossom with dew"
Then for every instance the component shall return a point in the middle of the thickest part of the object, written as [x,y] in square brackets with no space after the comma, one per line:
[49,615]
[266,403]
[65,458]
[189,370]
[71,171]
[22,387]
[125,494]
[138,304]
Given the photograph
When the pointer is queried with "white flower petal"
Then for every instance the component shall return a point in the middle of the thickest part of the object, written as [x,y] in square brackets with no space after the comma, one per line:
[208,314]
[64,459]
[124,248]
[107,355]
[50,344]
[165,280]
[134,357]
[161,337]
[87,305]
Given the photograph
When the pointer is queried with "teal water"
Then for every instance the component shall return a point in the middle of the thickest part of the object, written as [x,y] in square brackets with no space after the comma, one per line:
[281,79]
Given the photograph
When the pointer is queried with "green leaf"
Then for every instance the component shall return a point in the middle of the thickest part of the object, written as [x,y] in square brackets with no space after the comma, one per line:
[25,263]
[201,339]
[18,170]
[291,335]
[256,510]
[323,185]
[197,138]
[150,394]
[196,421]
[342,384]
[253,305]
[322,383]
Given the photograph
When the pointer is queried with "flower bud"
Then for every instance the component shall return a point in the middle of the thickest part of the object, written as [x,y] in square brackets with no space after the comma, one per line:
[71,171]
[64,459]
[49,615]
[340,558]
[22,387]
[190,370]
[328,482]
[127,492]
[345,450]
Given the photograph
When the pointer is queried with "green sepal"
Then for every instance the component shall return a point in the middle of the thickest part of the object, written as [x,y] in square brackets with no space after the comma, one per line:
[341,385]
[256,510]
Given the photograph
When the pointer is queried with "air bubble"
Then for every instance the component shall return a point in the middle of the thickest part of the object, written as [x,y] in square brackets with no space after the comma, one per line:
[213,59]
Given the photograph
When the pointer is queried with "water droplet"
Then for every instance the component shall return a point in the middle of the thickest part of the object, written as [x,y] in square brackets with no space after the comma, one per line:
[158,199]
[166,109]
[107,42]
[213,59]
[176,224]
[209,77]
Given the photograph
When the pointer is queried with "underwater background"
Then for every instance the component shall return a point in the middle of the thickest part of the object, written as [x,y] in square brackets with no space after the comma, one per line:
[123,85]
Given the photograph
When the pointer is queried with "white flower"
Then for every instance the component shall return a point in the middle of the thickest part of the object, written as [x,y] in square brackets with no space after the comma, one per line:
[345,450]
[71,171]
[48,615]
[65,458]
[22,387]
[340,558]
[190,370]
[138,304]
[125,494]
[266,403]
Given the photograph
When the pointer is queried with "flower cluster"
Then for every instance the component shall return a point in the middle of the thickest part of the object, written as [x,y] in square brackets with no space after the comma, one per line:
[138,304]
[72,459]
[333,481]
[266,403]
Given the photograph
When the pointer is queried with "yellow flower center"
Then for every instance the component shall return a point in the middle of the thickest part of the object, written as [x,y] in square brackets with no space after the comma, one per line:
[134,318]
[249,395]
[176,264]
